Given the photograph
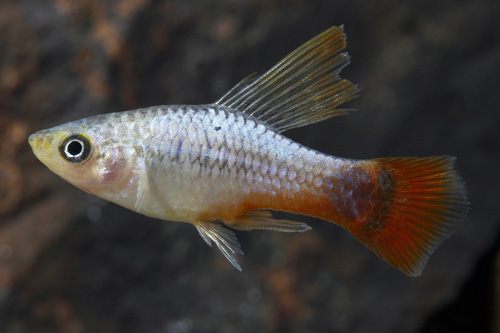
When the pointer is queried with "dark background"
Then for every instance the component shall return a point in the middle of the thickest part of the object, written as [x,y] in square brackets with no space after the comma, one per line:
[430,77]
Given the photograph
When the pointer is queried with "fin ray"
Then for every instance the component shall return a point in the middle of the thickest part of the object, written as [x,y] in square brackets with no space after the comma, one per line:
[422,202]
[143,188]
[303,88]
[263,220]
[238,88]
[224,238]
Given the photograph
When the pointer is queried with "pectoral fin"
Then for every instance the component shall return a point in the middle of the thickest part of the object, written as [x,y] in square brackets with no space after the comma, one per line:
[143,187]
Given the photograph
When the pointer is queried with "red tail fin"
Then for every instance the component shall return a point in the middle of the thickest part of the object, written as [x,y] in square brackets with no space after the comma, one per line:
[422,201]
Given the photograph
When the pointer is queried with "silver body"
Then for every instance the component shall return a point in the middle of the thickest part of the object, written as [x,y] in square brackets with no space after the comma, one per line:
[193,159]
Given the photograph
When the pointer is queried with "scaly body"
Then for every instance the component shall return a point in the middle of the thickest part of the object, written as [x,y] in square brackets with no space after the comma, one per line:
[206,162]
[227,164]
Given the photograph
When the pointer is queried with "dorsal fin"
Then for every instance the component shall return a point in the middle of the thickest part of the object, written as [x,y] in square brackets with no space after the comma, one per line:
[303,88]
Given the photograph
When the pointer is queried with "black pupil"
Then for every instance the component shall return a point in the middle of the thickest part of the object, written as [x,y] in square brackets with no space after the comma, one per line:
[75,148]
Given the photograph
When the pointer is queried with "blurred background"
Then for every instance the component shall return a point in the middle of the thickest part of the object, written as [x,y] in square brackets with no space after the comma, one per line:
[430,77]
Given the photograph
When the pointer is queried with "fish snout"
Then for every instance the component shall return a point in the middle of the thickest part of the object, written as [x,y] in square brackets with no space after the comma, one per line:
[40,140]
[35,140]
[32,139]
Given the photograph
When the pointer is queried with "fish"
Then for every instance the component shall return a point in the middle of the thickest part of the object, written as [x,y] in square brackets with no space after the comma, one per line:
[226,166]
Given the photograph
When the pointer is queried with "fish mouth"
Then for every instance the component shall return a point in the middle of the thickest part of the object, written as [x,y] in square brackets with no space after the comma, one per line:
[35,140]
[39,139]
[32,139]
[41,143]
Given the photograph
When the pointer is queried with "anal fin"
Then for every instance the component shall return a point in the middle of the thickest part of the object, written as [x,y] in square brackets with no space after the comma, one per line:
[224,238]
[263,220]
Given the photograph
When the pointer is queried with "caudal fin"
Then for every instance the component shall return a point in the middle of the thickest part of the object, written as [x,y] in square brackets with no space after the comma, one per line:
[421,202]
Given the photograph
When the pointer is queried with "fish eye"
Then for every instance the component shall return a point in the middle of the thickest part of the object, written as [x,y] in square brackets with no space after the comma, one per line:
[75,148]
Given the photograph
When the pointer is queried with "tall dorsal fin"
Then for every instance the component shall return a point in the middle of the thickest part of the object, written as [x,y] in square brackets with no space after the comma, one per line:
[303,88]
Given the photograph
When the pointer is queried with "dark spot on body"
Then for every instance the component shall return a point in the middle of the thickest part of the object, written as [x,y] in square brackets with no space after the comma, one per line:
[385,195]
[353,192]
[209,149]
[179,147]
[207,157]
[225,152]
[217,128]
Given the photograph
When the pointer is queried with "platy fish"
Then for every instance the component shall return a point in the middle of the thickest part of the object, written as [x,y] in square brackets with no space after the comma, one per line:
[226,165]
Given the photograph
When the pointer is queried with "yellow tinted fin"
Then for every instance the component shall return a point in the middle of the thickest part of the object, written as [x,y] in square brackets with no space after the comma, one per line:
[224,238]
[263,220]
[303,88]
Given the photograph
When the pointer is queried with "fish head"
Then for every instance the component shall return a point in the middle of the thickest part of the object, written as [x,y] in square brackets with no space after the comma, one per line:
[84,156]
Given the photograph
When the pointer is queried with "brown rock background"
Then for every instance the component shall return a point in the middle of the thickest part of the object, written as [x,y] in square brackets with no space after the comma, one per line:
[430,75]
